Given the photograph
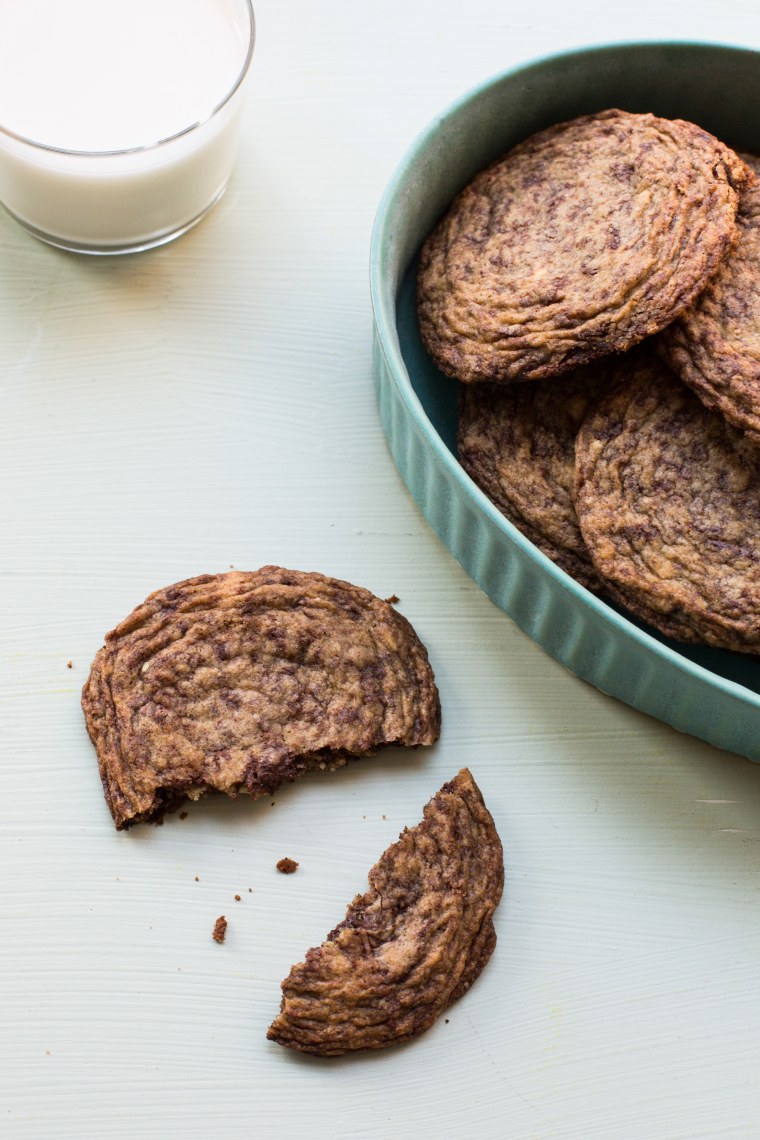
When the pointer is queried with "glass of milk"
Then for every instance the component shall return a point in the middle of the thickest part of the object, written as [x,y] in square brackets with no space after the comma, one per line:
[119,118]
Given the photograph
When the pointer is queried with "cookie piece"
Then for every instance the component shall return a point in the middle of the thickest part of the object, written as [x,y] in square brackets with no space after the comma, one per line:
[412,944]
[715,345]
[583,240]
[517,442]
[668,500]
[240,682]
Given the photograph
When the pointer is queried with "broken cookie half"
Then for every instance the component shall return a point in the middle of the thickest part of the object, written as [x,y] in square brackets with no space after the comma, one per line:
[412,944]
[240,682]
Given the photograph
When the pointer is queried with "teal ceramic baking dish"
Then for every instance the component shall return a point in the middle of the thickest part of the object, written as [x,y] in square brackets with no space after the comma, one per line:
[711,694]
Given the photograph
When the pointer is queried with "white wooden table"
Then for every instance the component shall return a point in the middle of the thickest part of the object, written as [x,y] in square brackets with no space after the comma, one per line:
[211,405]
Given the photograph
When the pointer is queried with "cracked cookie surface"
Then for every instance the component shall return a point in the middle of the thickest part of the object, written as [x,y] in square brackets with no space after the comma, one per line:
[583,240]
[410,946]
[668,499]
[240,682]
[517,442]
[714,346]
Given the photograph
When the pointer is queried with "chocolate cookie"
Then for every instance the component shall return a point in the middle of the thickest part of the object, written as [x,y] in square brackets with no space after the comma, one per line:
[581,241]
[240,682]
[668,500]
[412,944]
[715,345]
[517,442]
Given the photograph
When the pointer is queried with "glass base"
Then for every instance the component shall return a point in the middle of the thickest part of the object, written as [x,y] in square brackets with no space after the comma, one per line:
[137,246]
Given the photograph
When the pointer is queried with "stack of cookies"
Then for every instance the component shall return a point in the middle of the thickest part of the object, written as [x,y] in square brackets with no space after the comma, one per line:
[596,293]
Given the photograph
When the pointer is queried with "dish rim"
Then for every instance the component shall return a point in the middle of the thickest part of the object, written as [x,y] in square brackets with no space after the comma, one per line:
[384,316]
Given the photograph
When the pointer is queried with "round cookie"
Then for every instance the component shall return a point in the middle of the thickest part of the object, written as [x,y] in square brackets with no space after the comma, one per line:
[715,345]
[517,442]
[668,501]
[240,682]
[583,240]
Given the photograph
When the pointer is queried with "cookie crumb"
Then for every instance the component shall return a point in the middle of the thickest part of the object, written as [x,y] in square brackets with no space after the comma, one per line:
[197,879]
[237,898]
[393,600]
[183,815]
[69,664]
[287,866]
[220,929]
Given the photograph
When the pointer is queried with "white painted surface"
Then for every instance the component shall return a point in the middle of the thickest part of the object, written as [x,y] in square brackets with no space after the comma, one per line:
[210,404]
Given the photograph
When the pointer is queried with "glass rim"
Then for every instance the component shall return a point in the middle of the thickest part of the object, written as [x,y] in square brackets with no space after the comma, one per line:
[144,147]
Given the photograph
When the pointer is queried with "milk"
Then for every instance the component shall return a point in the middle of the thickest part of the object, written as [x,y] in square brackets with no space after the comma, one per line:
[118,120]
